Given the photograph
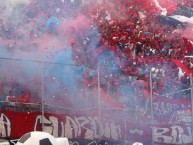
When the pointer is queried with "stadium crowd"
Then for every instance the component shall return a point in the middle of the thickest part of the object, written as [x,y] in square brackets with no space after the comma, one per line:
[133,39]
[141,41]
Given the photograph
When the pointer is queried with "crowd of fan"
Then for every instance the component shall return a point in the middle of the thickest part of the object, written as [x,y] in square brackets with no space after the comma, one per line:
[14,96]
[137,42]
[140,43]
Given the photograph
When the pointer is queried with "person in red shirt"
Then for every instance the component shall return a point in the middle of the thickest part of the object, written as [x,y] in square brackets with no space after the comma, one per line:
[24,98]
[10,99]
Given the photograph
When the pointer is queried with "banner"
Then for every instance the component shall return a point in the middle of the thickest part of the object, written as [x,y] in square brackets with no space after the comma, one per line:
[171,124]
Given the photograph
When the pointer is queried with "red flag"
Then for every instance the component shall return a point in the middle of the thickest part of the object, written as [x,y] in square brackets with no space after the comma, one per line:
[182,66]
[110,101]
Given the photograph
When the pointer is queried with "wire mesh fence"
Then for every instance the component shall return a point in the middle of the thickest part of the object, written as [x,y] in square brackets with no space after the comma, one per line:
[152,98]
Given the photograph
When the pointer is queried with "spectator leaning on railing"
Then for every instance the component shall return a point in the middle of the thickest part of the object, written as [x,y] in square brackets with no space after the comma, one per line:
[11,99]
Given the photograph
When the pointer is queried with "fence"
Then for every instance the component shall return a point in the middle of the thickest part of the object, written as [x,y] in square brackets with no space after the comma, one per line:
[150,104]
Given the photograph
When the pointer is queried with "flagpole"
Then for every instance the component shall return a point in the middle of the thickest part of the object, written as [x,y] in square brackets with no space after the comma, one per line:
[99,96]
[151,97]
[42,99]
[191,95]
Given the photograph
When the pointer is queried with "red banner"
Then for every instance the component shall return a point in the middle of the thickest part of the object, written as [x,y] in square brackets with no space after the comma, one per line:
[170,125]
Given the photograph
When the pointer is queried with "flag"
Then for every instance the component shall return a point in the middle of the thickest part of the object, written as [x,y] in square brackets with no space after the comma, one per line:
[182,10]
[109,101]
[181,16]
[153,7]
[182,66]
